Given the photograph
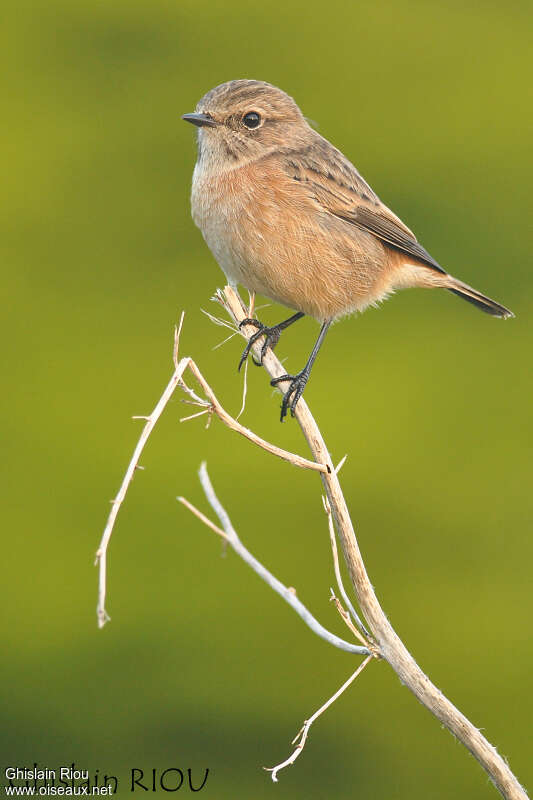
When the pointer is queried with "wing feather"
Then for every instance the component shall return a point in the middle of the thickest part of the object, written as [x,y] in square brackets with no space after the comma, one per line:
[340,190]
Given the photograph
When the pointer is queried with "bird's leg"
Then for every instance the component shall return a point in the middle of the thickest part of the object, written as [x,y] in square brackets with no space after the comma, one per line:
[271,335]
[298,382]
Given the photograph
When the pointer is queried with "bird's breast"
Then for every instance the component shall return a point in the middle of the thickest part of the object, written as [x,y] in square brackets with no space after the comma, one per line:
[219,201]
[252,223]
[270,235]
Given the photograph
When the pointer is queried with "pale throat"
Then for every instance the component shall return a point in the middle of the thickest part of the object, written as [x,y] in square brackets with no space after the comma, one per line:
[213,157]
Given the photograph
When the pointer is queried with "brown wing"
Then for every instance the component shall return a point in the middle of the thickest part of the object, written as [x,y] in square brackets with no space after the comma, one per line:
[339,189]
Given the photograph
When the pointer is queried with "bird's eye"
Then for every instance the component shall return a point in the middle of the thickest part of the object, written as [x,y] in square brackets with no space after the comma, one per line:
[252,119]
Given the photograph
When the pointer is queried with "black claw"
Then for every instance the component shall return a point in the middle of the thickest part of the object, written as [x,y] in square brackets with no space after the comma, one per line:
[272,336]
[249,321]
[271,339]
[293,393]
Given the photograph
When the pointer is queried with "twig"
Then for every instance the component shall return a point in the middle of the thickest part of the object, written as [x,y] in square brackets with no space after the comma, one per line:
[347,619]
[101,553]
[390,646]
[384,642]
[301,736]
[210,406]
[202,517]
[224,341]
[251,306]
[231,536]
[244,390]
[232,423]
[175,357]
[340,465]
[193,416]
[223,323]
[336,566]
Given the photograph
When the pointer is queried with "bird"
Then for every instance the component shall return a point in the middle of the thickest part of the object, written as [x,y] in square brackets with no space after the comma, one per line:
[288,216]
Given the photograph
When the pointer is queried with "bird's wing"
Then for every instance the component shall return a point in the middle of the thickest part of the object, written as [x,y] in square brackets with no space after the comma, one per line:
[339,189]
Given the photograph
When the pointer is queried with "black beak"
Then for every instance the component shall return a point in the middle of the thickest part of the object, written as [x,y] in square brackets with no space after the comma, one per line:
[200,120]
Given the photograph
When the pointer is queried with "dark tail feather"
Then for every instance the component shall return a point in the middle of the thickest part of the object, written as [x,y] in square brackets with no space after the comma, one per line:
[479,300]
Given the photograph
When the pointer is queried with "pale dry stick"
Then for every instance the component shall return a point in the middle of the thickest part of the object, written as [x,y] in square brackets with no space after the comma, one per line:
[301,736]
[391,648]
[213,406]
[244,390]
[340,465]
[347,619]
[251,307]
[336,566]
[251,304]
[194,416]
[202,517]
[231,423]
[198,401]
[226,340]
[217,321]
[229,534]
[101,553]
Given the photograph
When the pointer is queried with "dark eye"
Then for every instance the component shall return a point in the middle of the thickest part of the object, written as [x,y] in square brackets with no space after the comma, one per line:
[252,119]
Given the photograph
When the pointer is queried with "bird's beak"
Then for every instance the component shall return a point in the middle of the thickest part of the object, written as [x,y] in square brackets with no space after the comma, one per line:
[200,120]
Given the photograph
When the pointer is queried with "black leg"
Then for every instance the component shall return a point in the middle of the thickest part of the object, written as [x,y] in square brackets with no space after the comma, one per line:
[271,335]
[298,382]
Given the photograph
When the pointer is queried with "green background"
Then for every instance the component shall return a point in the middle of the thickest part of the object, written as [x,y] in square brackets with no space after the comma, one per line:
[202,666]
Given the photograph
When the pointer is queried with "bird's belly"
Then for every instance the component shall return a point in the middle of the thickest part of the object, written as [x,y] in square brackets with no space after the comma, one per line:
[288,254]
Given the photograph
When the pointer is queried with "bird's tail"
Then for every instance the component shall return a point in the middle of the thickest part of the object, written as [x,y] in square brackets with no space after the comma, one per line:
[477,299]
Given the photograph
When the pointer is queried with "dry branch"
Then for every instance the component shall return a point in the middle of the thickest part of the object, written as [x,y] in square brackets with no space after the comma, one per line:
[230,535]
[211,406]
[382,640]
[301,737]
[390,646]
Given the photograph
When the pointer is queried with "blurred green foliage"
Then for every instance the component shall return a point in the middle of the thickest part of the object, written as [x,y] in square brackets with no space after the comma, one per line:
[202,666]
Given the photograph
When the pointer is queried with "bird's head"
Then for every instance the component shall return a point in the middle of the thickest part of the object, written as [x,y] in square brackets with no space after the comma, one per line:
[244,120]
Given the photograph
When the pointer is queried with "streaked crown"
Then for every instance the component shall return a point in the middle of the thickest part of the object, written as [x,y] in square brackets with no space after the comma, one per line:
[244,95]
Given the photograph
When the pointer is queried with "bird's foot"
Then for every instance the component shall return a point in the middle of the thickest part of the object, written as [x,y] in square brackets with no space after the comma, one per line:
[293,393]
[271,339]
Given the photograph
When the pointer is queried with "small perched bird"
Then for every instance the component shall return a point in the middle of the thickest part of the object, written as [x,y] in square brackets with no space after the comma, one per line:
[288,216]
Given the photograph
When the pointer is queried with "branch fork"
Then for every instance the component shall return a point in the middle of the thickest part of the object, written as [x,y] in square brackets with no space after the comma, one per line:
[370,627]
